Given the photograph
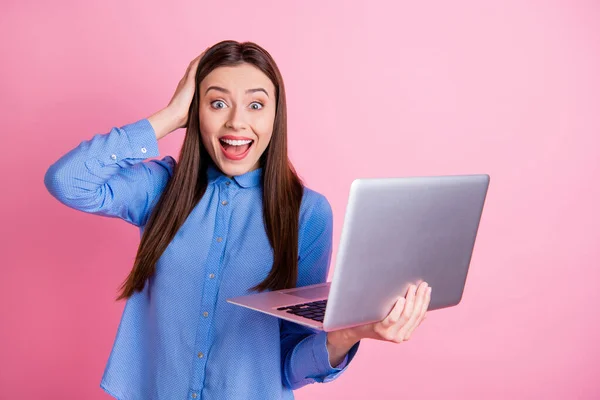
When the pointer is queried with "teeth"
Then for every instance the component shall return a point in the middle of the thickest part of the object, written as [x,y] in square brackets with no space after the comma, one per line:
[236,142]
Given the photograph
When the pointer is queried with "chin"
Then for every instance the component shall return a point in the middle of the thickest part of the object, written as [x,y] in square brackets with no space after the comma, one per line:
[233,169]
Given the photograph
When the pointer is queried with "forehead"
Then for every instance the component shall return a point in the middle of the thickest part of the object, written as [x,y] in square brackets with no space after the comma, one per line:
[238,78]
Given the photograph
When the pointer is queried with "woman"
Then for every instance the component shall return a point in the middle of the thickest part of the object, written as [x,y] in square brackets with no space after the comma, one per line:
[229,218]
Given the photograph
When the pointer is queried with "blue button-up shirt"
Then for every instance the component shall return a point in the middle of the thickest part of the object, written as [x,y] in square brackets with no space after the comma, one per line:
[179,338]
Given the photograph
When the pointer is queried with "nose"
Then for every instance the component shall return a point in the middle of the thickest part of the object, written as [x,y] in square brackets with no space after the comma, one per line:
[236,119]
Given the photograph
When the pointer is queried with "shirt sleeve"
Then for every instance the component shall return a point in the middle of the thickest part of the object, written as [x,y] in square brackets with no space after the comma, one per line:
[305,358]
[107,175]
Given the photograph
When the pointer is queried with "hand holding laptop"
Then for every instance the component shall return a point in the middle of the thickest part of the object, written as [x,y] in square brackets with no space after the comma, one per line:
[397,326]
[400,323]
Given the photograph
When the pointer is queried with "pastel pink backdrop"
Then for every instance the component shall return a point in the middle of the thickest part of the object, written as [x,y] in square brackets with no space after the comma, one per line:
[374,89]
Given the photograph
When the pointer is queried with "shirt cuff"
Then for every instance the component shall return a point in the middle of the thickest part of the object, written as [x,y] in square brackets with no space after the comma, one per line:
[142,139]
[325,371]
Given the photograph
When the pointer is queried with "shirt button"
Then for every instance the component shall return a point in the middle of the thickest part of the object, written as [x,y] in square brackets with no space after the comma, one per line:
[205,313]
[114,157]
[224,202]
[194,395]
[227,183]
[211,276]
[219,239]
[144,150]
[200,355]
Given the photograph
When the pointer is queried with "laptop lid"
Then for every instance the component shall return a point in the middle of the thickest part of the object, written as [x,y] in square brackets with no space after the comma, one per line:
[399,231]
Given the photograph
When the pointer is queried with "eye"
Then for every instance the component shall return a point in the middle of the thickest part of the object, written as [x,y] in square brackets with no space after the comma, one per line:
[218,104]
[256,105]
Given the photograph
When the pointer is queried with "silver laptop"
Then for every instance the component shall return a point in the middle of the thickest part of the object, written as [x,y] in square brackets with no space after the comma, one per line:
[396,232]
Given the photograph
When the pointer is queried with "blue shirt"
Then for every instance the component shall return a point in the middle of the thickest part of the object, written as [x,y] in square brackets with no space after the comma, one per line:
[179,338]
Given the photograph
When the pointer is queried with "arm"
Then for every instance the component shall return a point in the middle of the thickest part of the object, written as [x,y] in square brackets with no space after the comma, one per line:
[305,353]
[106,175]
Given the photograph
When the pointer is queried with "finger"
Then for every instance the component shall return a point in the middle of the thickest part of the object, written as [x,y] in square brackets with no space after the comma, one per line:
[195,60]
[426,306]
[421,315]
[394,315]
[410,301]
[404,332]
[386,328]
[191,70]
[406,313]
[191,65]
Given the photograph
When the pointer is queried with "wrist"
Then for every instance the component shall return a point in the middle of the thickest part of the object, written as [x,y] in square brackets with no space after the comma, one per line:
[339,344]
[164,122]
[342,339]
[179,120]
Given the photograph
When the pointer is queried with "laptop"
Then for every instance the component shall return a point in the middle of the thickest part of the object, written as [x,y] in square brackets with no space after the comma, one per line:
[396,232]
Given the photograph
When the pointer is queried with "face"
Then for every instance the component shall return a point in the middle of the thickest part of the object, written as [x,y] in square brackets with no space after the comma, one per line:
[237,111]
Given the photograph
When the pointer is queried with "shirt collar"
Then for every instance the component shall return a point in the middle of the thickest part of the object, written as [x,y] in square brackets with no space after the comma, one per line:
[249,179]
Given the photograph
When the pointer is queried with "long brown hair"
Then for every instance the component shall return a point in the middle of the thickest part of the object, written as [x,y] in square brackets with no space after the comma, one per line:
[282,188]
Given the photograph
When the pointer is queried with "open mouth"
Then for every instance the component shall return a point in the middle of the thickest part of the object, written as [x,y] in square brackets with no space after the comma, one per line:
[235,149]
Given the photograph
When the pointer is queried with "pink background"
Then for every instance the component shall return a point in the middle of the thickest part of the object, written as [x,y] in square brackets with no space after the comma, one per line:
[508,88]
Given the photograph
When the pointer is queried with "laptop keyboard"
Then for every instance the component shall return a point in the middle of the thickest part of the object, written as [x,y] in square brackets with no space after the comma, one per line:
[314,310]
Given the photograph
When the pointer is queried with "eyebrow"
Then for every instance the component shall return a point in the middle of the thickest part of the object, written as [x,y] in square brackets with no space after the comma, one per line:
[220,89]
